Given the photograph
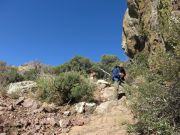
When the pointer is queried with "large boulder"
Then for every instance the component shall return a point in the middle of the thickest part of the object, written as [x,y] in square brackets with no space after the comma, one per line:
[104,107]
[107,93]
[21,86]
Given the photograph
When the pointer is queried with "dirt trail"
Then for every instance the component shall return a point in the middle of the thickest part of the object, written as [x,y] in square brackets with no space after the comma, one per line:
[113,122]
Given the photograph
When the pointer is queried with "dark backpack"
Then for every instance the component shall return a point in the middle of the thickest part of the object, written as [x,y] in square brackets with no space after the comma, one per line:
[116,73]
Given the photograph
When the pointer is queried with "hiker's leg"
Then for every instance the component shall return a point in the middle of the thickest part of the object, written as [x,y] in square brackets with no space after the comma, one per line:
[116,89]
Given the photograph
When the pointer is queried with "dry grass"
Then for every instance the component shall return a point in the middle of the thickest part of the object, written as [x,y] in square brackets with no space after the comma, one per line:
[15,95]
[3,91]
[123,121]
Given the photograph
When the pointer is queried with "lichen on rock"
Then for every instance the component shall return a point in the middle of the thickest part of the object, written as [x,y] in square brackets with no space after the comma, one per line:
[148,24]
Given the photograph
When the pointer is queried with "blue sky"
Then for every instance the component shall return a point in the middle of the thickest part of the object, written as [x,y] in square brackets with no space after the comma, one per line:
[54,31]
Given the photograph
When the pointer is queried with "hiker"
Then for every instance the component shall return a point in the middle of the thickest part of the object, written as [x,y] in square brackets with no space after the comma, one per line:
[118,74]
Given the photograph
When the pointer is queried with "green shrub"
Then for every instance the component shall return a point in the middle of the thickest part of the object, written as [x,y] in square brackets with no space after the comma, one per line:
[47,90]
[164,64]
[155,98]
[138,65]
[96,68]
[9,74]
[67,87]
[31,74]
[3,91]
[80,64]
[83,92]
[156,107]
[77,64]
[62,68]
[75,87]
[108,62]
[66,82]
[149,106]
[13,75]
[85,66]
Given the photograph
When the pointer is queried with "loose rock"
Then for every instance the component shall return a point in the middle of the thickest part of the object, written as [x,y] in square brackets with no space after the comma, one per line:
[90,107]
[64,123]
[77,122]
[52,121]
[67,113]
[65,130]
[20,101]
[50,108]
[80,107]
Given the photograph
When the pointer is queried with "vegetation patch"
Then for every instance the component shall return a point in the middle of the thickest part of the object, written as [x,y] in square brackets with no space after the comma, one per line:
[154,89]
[68,87]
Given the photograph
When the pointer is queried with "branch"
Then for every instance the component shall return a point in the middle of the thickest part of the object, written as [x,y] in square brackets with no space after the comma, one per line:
[104,71]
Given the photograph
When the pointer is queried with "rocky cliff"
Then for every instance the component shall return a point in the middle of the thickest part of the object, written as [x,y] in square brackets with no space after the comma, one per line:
[150,26]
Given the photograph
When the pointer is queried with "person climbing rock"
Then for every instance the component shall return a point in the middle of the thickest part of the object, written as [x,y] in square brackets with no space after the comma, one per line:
[118,77]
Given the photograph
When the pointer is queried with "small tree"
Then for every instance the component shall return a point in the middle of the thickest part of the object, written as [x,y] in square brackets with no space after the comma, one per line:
[78,64]
[108,62]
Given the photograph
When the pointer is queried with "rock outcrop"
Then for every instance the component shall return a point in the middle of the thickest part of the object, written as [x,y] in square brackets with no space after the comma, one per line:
[21,86]
[147,25]
[34,65]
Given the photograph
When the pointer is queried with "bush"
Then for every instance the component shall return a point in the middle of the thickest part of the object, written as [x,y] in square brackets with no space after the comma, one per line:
[164,64]
[83,92]
[149,106]
[108,62]
[85,66]
[67,87]
[9,74]
[47,90]
[3,91]
[138,66]
[62,68]
[154,99]
[13,75]
[77,64]
[80,64]
[31,74]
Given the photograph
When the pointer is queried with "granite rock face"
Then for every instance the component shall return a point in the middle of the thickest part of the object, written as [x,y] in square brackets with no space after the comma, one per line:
[147,24]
